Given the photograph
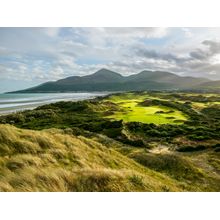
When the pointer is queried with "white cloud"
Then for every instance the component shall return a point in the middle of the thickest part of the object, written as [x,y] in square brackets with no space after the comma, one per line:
[187,32]
[52,32]
[42,54]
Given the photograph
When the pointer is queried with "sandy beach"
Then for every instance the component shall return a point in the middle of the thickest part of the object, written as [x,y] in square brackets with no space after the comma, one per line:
[19,102]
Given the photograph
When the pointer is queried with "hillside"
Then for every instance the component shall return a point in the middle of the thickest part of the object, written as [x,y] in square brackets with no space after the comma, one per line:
[101,76]
[214,85]
[106,80]
[53,160]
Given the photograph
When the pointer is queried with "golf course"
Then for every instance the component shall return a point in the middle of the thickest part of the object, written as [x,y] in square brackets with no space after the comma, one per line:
[132,111]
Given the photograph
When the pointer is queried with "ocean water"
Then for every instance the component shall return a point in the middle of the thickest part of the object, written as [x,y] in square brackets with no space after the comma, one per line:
[18,102]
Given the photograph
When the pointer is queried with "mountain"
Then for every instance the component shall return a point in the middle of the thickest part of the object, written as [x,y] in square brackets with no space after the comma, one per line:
[213,85]
[101,76]
[106,80]
[166,77]
[156,76]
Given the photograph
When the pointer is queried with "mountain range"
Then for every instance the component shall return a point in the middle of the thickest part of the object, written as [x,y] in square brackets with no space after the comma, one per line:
[107,80]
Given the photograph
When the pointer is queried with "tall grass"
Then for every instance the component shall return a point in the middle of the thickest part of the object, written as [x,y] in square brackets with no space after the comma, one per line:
[51,160]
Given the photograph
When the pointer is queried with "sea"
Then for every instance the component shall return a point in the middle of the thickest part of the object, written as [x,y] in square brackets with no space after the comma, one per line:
[15,102]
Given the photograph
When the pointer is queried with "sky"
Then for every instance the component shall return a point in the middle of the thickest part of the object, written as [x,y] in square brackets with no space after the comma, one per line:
[30,56]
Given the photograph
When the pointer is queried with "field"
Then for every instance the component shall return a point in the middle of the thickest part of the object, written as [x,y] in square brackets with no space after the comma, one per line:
[136,141]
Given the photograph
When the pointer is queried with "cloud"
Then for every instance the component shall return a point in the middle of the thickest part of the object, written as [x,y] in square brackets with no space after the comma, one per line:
[214,46]
[134,32]
[159,56]
[199,54]
[202,61]
[42,54]
[187,32]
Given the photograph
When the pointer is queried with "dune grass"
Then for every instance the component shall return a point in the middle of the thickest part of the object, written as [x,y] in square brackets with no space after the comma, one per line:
[78,146]
[51,160]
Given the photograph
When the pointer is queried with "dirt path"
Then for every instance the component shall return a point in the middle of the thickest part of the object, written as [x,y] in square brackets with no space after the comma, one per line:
[160,150]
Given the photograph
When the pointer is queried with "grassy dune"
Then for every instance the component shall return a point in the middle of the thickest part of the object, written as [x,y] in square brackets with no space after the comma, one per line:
[53,160]
[165,142]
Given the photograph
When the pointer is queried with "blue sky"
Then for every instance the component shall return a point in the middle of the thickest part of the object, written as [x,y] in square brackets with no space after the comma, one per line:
[30,56]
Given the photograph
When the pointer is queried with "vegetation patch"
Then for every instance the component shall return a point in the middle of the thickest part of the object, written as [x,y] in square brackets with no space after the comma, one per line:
[90,165]
[191,148]
[135,141]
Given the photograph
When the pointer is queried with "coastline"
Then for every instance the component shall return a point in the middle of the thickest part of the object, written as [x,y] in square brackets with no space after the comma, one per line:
[23,103]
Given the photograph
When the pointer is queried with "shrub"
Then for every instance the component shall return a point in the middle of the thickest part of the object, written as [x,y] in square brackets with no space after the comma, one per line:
[217,149]
[153,132]
[137,180]
[112,132]
[216,145]
[191,148]
[198,138]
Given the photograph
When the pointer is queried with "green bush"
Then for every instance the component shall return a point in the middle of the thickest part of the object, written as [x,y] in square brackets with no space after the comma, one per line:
[191,148]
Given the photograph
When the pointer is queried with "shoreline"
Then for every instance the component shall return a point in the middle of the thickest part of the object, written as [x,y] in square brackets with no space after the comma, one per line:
[30,104]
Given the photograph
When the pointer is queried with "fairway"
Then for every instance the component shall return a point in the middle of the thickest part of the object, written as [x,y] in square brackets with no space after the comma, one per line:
[131,111]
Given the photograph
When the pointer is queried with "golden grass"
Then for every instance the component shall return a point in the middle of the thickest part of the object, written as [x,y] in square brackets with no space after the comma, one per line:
[51,160]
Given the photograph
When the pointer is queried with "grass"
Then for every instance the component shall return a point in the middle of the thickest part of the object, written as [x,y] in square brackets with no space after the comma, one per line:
[79,146]
[131,111]
[199,174]
[51,160]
